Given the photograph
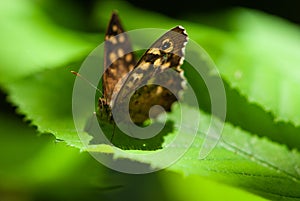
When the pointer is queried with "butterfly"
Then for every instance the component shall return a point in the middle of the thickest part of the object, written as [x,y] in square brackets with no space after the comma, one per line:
[143,83]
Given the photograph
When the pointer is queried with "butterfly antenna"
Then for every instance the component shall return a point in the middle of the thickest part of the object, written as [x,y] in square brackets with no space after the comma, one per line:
[86,80]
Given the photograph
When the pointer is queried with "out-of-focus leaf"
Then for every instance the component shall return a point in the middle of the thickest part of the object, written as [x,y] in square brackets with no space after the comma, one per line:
[265,66]
[30,42]
[194,187]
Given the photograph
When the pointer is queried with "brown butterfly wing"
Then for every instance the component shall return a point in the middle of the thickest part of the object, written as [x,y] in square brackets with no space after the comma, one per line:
[141,84]
[118,57]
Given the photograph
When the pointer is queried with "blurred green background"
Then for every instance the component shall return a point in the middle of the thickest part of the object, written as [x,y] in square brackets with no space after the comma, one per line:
[37,167]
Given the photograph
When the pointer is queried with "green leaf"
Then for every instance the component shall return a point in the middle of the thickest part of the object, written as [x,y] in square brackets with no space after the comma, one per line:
[239,159]
[46,99]
[265,60]
[31,42]
[26,158]
[194,187]
[36,167]
[261,64]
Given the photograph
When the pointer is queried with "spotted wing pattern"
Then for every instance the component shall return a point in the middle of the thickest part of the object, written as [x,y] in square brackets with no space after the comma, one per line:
[118,61]
[118,56]
[157,79]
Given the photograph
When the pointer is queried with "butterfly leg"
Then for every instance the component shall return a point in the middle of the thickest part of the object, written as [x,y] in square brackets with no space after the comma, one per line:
[106,114]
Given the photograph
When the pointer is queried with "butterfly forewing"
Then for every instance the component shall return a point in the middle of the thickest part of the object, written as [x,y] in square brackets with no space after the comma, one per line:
[118,57]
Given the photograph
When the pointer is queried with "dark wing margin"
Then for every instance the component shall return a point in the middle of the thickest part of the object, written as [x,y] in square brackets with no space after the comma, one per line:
[118,56]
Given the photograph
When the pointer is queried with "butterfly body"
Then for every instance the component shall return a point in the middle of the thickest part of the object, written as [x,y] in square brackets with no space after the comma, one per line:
[135,87]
